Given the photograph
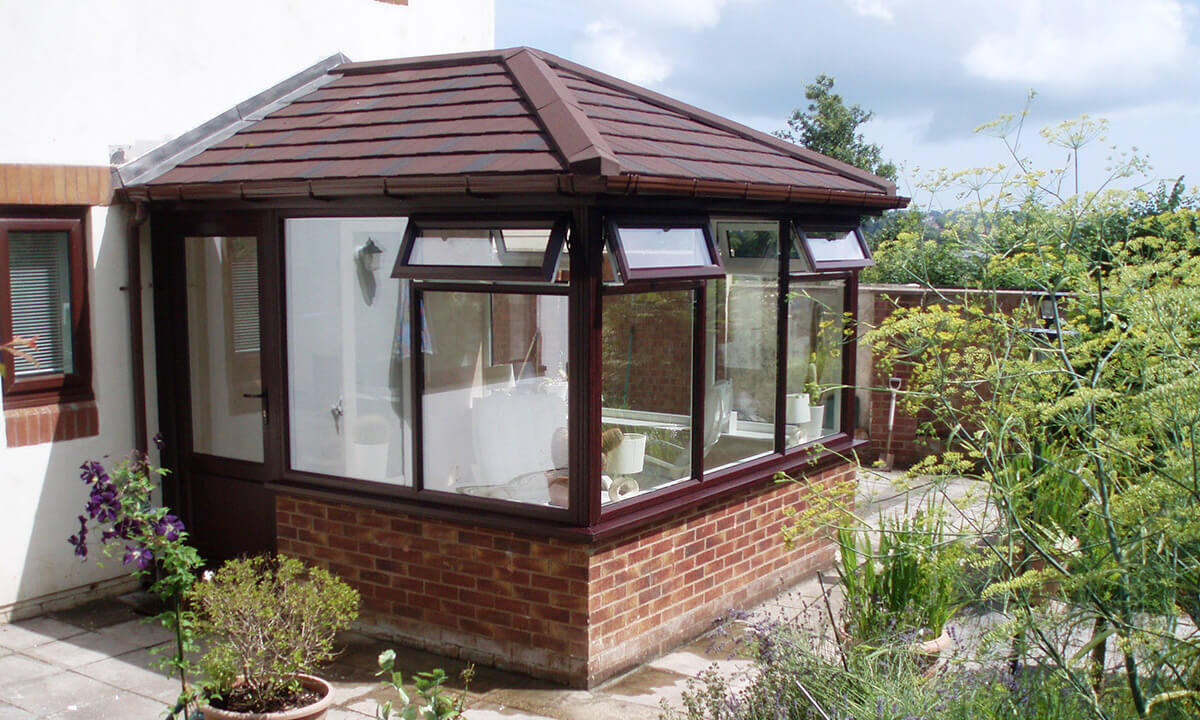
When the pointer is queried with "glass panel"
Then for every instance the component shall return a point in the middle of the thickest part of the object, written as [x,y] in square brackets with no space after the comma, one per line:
[816,330]
[837,246]
[647,248]
[486,248]
[348,343]
[741,340]
[223,356]
[494,407]
[646,377]
[40,283]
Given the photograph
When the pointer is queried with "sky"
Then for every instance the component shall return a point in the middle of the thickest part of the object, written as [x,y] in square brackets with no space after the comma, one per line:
[932,71]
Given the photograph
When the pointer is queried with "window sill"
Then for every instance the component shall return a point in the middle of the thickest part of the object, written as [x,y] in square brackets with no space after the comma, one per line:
[56,422]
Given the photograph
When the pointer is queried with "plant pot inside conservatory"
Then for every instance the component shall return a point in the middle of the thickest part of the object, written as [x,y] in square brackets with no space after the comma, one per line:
[311,704]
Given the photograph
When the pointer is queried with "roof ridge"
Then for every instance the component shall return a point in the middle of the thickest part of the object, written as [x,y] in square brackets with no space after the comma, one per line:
[171,153]
[570,129]
[369,67]
[714,120]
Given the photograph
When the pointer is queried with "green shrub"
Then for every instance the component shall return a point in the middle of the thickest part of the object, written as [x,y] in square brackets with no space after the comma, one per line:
[269,618]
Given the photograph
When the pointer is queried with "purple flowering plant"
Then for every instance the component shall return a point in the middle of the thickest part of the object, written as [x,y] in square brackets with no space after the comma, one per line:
[122,507]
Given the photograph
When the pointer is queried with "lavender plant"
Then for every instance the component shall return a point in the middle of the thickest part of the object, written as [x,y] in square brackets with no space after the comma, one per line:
[151,542]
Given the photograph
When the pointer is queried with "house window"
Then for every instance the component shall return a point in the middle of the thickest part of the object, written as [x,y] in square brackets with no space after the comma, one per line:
[43,311]
[349,354]
[650,249]
[816,340]
[502,249]
[833,248]
[742,343]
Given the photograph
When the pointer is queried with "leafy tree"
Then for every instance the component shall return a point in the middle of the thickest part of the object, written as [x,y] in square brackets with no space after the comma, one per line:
[830,127]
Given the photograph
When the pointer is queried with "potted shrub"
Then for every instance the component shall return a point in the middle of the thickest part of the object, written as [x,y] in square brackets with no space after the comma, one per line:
[271,621]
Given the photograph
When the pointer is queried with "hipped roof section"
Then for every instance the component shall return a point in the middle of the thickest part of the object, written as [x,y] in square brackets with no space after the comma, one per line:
[502,121]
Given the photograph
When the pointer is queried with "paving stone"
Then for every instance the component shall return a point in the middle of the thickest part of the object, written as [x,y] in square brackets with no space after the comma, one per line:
[491,711]
[82,649]
[18,669]
[96,615]
[124,705]
[649,686]
[343,714]
[564,704]
[134,671]
[58,692]
[25,634]
[141,632]
[11,712]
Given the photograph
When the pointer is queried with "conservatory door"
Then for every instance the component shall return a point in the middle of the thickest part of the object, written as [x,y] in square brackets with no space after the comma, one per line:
[228,509]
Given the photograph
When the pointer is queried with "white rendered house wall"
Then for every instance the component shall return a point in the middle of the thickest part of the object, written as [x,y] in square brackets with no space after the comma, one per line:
[91,76]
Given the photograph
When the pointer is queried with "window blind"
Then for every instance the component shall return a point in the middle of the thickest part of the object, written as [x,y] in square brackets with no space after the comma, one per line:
[243,293]
[40,285]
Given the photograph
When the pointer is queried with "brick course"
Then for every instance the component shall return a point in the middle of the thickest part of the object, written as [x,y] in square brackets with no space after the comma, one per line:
[50,423]
[572,613]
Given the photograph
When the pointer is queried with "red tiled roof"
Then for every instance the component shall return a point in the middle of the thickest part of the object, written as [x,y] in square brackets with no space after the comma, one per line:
[507,113]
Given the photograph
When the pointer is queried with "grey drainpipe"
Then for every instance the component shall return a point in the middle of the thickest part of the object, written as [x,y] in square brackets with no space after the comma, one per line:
[133,264]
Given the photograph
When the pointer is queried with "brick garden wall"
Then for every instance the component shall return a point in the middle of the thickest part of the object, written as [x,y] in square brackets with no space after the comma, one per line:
[572,613]
[908,446]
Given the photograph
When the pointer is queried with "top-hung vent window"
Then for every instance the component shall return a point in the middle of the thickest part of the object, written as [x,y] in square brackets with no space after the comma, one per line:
[652,249]
[833,248]
[512,249]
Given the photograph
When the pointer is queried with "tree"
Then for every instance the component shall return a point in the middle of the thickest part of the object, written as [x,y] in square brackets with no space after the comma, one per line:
[830,127]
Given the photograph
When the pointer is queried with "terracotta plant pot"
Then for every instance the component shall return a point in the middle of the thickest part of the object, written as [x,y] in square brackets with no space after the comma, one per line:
[315,711]
[928,654]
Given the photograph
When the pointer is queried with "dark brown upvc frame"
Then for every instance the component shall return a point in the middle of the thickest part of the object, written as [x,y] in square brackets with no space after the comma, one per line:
[704,484]
[832,265]
[558,224]
[616,248]
[585,522]
[51,388]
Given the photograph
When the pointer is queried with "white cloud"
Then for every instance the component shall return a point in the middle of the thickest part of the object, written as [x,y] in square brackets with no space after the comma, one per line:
[621,51]
[878,9]
[1081,44]
[688,14]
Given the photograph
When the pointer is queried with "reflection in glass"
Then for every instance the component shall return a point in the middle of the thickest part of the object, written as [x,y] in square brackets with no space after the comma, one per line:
[741,334]
[347,349]
[494,407]
[838,246]
[647,248]
[223,353]
[816,330]
[646,377]
[480,247]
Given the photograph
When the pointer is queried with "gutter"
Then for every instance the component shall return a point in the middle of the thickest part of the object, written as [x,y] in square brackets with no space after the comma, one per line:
[133,286]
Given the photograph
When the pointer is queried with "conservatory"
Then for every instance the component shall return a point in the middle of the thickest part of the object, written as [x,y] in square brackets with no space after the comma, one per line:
[516,347]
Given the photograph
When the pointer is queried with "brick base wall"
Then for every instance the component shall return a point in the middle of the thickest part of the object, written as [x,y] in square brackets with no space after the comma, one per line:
[575,614]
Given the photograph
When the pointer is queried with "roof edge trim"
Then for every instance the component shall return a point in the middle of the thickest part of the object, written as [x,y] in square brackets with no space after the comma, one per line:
[474,57]
[572,132]
[167,156]
[714,120]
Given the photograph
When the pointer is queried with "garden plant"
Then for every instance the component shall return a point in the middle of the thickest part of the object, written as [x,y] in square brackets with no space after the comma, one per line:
[1078,411]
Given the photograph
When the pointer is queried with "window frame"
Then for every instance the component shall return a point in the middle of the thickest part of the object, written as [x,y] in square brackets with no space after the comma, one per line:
[625,274]
[829,266]
[50,388]
[559,227]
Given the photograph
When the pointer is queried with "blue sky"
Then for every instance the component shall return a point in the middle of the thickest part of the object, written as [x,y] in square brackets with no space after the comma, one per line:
[931,70]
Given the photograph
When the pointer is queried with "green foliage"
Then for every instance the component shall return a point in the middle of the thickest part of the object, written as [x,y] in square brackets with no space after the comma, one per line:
[905,582]
[794,678]
[830,126]
[152,542]
[269,618]
[433,702]
[1085,430]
